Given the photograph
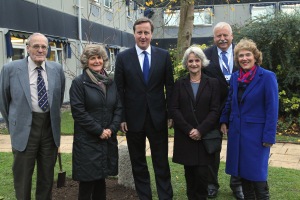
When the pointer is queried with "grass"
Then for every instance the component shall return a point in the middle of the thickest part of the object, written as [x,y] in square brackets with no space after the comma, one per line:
[284,183]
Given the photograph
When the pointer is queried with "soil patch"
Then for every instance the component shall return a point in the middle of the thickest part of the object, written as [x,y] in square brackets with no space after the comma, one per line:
[114,191]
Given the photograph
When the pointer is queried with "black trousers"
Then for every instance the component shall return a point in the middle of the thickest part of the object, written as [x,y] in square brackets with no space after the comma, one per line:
[213,183]
[158,140]
[255,190]
[92,190]
[42,150]
[196,182]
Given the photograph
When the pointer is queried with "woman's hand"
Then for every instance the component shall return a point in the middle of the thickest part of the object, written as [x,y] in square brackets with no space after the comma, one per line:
[267,144]
[223,128]
[195,134]
[105,134]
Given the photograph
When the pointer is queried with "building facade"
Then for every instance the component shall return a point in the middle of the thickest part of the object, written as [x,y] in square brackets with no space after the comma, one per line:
[68,25]
[208,13]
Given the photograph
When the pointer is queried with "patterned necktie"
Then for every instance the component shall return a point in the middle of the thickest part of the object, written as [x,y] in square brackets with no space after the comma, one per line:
[225,61]
[42,92]
[146,67]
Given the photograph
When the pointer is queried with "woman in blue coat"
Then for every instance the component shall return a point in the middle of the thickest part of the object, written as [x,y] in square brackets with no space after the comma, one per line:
[251,114]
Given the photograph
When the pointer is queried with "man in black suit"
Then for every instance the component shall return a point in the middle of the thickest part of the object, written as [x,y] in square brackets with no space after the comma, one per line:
[222,68]
[142,73]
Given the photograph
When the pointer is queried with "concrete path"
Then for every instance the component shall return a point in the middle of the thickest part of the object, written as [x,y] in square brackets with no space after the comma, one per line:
[282,154]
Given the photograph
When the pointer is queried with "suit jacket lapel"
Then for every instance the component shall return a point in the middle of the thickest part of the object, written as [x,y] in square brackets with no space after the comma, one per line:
[24,80]
[217,67]
[51,81]
[153,62]
[188,88]
[136,64]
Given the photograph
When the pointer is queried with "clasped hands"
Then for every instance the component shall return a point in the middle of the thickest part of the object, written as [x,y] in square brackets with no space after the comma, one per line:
[195,134]
[105,134]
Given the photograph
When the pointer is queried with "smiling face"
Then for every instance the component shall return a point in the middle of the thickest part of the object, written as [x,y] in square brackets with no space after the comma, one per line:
[143,35]
[37,48]
[194,64]
[223,37]
[246,59]
[95,63]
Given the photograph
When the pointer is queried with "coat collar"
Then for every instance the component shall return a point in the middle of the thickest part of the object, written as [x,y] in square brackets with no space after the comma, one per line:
[188,87]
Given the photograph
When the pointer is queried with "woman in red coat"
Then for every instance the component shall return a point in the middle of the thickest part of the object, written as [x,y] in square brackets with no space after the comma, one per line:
[194,108]
[251,112]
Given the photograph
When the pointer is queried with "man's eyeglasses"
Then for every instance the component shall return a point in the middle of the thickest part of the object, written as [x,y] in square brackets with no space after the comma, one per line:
[36,47]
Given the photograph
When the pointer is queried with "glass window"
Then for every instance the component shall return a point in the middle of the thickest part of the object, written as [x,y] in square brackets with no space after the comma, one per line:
[171,17]
[56,53]
[290,9]
[262,10]
[108,3]
[19,53]
[203,16]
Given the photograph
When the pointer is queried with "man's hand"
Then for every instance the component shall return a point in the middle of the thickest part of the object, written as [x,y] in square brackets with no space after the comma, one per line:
[170,123]
[123,127]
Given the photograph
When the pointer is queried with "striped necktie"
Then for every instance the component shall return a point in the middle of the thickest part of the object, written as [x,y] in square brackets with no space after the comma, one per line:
[226,70]
[42,92]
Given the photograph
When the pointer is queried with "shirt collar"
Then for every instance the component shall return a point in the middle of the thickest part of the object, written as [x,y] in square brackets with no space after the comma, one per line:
[33,66]
[140,51]
[229,50]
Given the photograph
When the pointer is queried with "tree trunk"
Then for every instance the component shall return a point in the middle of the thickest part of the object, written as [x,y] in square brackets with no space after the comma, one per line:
[186,26]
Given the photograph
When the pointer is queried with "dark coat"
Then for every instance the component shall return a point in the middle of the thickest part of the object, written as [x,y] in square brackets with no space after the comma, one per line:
[94,158]
[214,70]
[137,97]
[206,108]
[252,122]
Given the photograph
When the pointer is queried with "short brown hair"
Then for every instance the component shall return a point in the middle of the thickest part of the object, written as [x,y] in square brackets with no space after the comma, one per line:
[249,45]
[93,50]
[143,20]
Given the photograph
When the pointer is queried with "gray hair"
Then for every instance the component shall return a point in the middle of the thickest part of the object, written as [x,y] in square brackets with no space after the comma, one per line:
[222,25]
[93,50]
[198,53]
[34,35]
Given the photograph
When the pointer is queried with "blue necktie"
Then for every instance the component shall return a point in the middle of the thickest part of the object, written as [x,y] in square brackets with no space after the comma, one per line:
[146,67]
[225,68]
[42,92]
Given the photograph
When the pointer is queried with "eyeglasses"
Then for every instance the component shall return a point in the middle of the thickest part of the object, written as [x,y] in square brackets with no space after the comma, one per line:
[37,47]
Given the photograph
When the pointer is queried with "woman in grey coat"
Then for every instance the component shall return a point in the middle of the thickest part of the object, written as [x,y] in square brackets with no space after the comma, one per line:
[96,110]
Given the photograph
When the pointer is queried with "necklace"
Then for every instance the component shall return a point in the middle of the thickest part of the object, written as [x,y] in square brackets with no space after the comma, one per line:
[195,81]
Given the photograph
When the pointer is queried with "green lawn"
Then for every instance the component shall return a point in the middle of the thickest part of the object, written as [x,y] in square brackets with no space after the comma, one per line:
[284,183]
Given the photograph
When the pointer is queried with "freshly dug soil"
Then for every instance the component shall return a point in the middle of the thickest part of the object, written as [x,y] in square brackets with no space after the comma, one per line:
[114,191]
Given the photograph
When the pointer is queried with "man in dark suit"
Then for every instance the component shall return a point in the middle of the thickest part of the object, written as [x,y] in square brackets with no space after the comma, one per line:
[221,67]
[142,73]
[31,94]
